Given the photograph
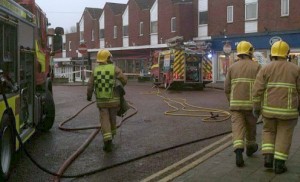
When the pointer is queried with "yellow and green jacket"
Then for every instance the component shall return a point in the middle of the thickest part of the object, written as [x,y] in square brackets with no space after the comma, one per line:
[102,82]
[276,90]
[239,82]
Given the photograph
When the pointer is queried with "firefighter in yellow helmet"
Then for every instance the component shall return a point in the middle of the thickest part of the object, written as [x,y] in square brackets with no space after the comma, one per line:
[104,81]
[276,94]
[238,89]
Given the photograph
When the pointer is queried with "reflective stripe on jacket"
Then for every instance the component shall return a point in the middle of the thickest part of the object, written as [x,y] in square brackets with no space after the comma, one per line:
[239,83]
[276,90]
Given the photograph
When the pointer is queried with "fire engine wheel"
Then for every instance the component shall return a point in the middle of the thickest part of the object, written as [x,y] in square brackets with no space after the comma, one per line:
[48,112]
[6,147]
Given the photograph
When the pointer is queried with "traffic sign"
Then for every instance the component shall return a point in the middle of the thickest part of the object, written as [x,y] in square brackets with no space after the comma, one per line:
[82,49]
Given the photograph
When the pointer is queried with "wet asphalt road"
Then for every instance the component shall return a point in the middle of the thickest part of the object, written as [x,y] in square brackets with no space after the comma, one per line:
[148,131]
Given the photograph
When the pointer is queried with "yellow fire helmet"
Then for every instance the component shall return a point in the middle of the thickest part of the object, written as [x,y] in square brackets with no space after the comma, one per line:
[280,49]
[245,48]
[103,55]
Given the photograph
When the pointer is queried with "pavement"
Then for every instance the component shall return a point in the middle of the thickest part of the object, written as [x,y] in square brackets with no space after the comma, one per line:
[217,163]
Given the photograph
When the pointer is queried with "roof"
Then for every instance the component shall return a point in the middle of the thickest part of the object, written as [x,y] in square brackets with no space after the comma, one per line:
[95,12]
[117,8]
[145,4]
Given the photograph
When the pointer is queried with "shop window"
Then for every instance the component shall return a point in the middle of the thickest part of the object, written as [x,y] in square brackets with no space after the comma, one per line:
[224,62]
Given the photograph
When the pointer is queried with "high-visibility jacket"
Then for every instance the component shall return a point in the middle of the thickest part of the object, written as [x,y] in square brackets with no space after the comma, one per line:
[103,81]
[277,89]
[239,82]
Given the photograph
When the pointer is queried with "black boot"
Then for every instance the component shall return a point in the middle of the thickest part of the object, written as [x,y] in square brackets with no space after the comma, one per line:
[239,157]
[280,166]
[269,158]
[251,150]
[107,146]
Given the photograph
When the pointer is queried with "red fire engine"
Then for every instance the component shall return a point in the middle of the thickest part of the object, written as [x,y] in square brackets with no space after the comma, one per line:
[26,101]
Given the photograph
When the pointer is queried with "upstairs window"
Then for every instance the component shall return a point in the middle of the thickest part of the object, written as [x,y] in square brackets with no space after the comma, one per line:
[81,36]
[285,9]
[115,32]
[101,36]
[141,28]
[93,35]
[251,10]
[229,14]
[154,27]
[173,24]
[70,43]
[125,31]
[203,18]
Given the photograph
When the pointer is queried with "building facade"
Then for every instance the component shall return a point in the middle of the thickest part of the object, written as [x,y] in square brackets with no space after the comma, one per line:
[134,30]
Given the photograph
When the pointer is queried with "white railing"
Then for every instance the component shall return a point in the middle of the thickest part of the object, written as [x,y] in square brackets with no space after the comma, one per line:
[87,73]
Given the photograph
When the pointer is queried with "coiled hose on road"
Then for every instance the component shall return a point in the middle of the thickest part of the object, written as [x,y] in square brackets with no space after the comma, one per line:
[212,117]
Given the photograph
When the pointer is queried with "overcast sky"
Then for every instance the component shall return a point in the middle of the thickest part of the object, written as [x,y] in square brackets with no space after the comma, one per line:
[66,13]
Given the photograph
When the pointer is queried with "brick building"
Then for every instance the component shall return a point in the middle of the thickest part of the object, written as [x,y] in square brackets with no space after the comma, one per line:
[132,31]
[259,21]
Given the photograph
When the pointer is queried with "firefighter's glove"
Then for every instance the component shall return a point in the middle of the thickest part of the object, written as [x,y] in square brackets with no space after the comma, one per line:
[256,112]
[89,99]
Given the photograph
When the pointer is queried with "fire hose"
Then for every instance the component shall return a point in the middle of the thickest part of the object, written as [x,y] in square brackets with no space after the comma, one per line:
[68,162]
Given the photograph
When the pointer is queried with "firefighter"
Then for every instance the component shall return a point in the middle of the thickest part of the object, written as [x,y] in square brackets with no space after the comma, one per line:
[238,90]
[276,94]
[105,78]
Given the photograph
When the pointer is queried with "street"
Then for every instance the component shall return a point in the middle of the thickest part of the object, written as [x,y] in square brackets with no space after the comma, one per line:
[147,132]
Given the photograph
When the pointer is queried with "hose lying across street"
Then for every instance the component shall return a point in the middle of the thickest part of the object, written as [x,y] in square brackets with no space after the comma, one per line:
[213,116]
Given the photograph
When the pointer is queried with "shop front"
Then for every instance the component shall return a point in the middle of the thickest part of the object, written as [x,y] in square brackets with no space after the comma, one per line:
[225,50]
[134,61]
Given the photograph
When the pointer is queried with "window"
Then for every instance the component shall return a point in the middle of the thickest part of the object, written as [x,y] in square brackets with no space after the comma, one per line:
[141,28]
[154,27]
[203,17]
[229,14]
[251,11]
[8,50]
[70,43]
[125,30]
[81,29]
[115,32]
[173,24]
[101,33]
[81,36]
[93,35]
[285,10]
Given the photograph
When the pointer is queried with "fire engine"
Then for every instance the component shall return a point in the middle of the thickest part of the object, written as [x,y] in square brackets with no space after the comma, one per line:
[26,101]
[180,66]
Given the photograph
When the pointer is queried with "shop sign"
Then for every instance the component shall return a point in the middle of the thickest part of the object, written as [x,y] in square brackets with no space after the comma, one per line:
[274,39]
